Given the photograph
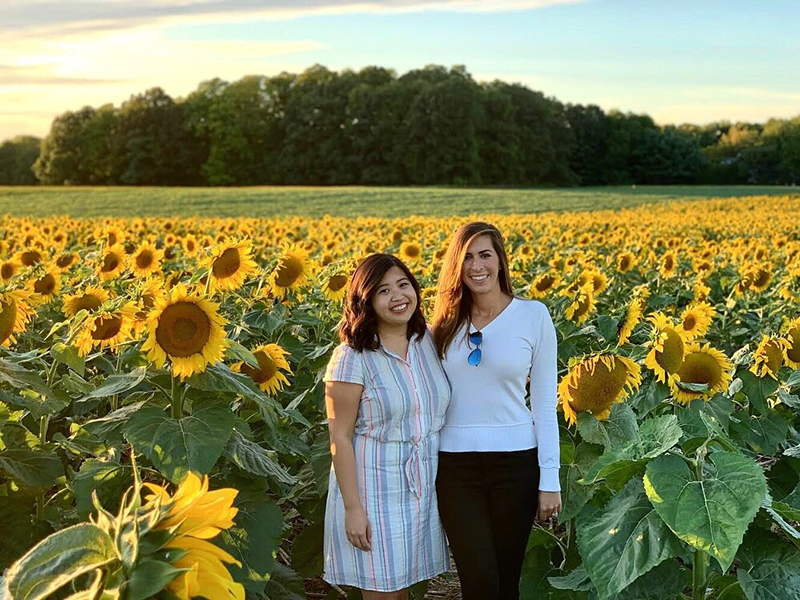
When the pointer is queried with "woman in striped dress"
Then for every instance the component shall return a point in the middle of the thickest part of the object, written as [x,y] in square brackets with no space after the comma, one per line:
[386,395]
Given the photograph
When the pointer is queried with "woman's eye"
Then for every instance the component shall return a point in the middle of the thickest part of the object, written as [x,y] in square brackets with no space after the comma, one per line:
[404,284]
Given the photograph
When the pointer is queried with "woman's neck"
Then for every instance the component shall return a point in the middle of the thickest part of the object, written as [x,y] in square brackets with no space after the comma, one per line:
[392,332]
[489,304]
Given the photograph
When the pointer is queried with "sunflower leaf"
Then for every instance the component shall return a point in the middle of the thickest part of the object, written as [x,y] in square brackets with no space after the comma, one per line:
[623,540]
[764,434]
[235,351]
[770,569]
[116,384]
[757,390]
[618,430]
[32,468]
[711,515]
[793,380]
[254,459]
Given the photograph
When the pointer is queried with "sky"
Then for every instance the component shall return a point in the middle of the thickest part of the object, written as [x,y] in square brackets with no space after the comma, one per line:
[679,61]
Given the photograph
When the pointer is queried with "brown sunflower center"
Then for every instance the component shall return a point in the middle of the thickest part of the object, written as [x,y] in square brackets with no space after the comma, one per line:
[774,356]
[669,262]
[45,285]
[144,259]
[288,272]
[584,302]
[8,316]
[761,278]
[106,327]
[337,282]
[226,264]
[794,339]
[671,355]
[31,257]
[7,271]
[689,322]
[596,391]
[110,262]
[62,262]
[183,329]
[412,251]
[545,283]
[266,368]
[699,367]
[87,302]
[625,263]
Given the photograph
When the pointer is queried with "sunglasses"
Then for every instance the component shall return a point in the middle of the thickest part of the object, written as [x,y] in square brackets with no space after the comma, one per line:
[474,358]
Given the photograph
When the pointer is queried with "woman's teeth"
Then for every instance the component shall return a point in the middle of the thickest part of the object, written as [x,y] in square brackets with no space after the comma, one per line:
[479,277]
[400,308]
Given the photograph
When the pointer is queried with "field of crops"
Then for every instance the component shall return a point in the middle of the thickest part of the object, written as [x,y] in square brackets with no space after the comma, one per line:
[141,355]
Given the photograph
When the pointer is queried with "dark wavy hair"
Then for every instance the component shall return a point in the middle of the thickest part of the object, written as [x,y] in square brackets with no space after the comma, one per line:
[359,326]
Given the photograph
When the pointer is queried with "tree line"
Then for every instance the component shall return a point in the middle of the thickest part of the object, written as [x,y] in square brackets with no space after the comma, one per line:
[372,127]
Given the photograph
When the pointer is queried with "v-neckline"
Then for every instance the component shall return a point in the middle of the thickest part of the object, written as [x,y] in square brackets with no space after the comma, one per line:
[497,316]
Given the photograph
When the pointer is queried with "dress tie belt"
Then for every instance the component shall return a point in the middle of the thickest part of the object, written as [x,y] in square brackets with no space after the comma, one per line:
[413,469]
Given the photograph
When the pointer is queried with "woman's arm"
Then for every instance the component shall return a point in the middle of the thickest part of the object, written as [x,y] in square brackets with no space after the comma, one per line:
[341,403]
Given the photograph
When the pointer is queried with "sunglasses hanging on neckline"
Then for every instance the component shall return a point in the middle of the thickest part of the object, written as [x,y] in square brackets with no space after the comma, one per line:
[474,358]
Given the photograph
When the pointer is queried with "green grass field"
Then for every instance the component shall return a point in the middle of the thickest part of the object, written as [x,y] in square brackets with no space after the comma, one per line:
[343,201]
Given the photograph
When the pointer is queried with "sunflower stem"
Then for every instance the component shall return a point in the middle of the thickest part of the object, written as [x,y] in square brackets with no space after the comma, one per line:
[177,404]
[700,559]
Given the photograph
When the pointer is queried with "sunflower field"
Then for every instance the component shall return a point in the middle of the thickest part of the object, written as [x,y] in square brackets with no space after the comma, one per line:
[162,423]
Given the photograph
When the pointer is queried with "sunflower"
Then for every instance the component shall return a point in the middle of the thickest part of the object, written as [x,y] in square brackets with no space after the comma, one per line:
[66,260]
[195,515]
[90,299]
[271,361]
[45,284]
[542,285]
[229,264]
[792,353]
[668,264]
[106,329]
[9,268]
[291,271]
[769,355]
[594,384]
[28,258]
[701,365]
[696,320]
[112,263]
[626,261]
[146,297]
[582,305]
[146,260]
[187,330]
[598,280]
[14,315]
[667,348]
[410,252]
[190,246]
[632,317]
[760,278]
[700,290]
[335,287]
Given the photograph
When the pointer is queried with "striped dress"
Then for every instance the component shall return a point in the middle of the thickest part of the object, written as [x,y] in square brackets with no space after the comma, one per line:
[396,444]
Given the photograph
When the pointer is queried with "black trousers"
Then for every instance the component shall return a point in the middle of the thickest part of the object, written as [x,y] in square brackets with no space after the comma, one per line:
[487,502]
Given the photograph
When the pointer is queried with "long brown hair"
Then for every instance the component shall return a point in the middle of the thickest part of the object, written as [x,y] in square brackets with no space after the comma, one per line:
[453,305]
[359,326]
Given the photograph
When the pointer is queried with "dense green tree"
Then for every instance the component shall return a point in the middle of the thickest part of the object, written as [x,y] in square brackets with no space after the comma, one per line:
[16,160]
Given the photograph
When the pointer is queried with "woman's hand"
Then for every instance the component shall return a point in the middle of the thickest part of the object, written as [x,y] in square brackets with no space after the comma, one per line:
[356,525]
[549,505]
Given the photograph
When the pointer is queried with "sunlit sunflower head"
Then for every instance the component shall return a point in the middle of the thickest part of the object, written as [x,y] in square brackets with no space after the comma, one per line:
[106,329]
[582,305]
[704,365]
[792,354]
[626,261]
[112,262]
[90,299]
[668,264]
[769,355]
[696,320]
[410,252]
[760,278]
[544,284]
[291,272]
[632,317]
[146,296]
[271,364]
[45,284]
[146,260]
[15,312]
[186,330]
[30,257]
[595,383]
[598,280]
[64,262]
[700,290]
[190,246]
[229,264]
[335,286]
[10,268]
[667,348]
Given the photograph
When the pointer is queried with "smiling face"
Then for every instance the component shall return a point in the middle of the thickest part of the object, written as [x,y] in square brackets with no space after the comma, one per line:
[395,300]
[481,266]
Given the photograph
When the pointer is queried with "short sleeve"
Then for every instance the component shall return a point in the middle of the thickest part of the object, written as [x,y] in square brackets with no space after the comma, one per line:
[346,364]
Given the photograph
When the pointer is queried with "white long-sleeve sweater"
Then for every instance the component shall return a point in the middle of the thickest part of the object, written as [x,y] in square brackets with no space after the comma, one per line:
[487,411]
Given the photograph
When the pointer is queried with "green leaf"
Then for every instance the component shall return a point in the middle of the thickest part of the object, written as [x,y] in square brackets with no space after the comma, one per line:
[711,515]
[254,459]
[219,378]
[69,356]
[307,551]
[618,430]
[150,577]
[21,378]
[623,540]
[109,478]
[770,569]
[764,434]
[757,390]
[577,581]
[649,397]
[116,384]
[790,400]
[109,427]
[284,584]
[253,541]
[17,525]
[793,380]
[664,582]
[193,443]
[31,467]
[59,559]
[37,404]
[236,352]
[575,495]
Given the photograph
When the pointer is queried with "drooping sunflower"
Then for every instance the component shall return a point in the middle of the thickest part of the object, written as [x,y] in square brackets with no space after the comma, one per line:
[9,268]
[701,365]
[595,383]
[66,260]
[792,354]
[543,284]
[292,271]
[768,356]
[667,348]
[146,260]
[696,320]
[760,278]
[15,312]
[45,284]
[186,329]
[89,299]
[582,305]
[632,317]
[271,361]
[230,263]
[410,252]
[334,288]
[106,329]
[112,262]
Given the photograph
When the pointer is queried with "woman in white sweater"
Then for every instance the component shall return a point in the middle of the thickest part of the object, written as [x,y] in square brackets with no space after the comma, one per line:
[498,459]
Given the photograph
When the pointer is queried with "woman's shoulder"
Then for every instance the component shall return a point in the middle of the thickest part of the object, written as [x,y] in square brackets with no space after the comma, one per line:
[531,306]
